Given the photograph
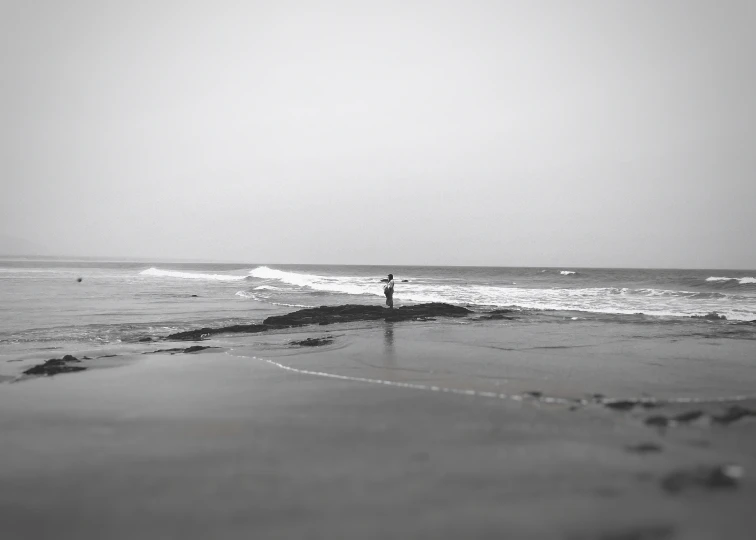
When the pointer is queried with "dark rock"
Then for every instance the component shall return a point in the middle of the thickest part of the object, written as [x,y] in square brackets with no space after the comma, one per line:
[192,349]
[108,356]
[734,413]
[657,421]
[628,404]
[496,317]
[55,366]
[197,348]
[351,312]
[200,333]
[689,416]
[144,339]
[710,478]
[713,316]
[644,448]
[623,405]
[194,296]
[329,315]
[79,280]
[313,342]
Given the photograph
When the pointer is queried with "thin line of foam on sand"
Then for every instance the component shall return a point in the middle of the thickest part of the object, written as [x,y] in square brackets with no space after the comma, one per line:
[496,395]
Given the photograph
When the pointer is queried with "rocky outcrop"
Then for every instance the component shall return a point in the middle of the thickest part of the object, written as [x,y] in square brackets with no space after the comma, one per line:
[188,350]
[55,366]
[498,315]
[713,316]
[201,333]
[330,315]
[352,313]
[313,342]
[706,477]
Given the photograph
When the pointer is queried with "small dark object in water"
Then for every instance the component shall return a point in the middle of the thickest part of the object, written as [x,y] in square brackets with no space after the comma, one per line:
[195,296]
[717,477]
[79,280]
[534,394]
[313,342]
[657,421]
[734,413]
[55,366]
[644,448]
[145,339]
[108,356]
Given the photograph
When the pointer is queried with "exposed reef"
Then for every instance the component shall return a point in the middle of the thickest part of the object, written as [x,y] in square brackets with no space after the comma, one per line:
[55,366]
[498,314]
[706,477]
[351,313]
[313,342]
[330,315]
[188,350]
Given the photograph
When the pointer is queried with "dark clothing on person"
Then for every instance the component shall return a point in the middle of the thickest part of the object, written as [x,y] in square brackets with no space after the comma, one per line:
[388,290]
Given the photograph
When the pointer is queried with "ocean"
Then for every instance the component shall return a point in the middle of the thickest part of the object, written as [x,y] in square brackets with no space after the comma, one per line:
[42,301]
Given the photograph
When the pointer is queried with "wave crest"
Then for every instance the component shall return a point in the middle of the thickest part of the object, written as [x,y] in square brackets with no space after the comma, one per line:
[741,281]
[158,272]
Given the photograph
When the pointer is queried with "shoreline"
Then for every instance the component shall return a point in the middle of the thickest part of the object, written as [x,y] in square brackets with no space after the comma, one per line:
[436,429]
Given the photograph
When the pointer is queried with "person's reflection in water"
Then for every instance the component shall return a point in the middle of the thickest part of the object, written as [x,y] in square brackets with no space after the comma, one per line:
[389,353]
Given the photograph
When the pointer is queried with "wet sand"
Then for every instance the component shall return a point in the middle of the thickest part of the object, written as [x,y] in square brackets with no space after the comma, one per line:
[261,441]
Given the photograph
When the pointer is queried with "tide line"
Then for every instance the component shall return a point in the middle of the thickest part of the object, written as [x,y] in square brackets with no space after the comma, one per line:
[497,395]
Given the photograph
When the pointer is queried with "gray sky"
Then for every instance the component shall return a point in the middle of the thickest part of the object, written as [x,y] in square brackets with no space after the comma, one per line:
[585,133]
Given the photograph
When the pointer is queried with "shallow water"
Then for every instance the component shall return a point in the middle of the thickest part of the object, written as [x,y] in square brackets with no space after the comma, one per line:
[43,303]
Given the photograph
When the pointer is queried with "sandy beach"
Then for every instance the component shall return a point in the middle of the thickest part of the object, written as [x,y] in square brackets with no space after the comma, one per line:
[451,429]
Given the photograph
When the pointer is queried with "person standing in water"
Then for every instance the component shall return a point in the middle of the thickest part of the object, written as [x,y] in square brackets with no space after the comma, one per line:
[388,290]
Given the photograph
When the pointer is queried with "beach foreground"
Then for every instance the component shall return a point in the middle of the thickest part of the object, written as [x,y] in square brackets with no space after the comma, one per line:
[391,430]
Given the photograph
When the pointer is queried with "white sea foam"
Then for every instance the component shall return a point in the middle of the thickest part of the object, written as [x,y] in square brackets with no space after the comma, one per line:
[268,288]
[567,272]
[334,284]
[252,296]
[157,272]
[609,300]
[742,281]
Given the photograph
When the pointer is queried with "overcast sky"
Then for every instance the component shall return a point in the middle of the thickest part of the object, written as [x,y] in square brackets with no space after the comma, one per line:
[583,133]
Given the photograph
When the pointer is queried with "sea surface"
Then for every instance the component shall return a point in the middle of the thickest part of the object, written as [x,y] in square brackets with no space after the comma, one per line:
[42,301]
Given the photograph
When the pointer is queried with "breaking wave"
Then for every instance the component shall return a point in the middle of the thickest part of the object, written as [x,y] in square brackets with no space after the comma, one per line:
[741,281]
[567,272]
[157,272]
[609,300]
